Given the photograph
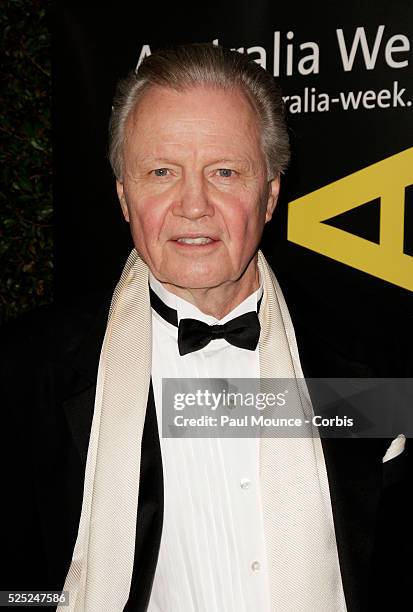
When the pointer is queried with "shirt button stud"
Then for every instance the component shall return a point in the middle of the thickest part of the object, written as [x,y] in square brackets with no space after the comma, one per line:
[245,483]
[255,566]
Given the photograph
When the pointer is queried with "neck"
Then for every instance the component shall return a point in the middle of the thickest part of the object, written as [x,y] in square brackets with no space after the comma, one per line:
[219,301]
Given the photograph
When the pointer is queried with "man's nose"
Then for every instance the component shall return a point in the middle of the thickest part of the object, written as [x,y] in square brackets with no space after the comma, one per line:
[193,201]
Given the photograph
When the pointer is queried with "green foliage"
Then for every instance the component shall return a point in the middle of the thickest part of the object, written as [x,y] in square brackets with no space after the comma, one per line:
[26,239]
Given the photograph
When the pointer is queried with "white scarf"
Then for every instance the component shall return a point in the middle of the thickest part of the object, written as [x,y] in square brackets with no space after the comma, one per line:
[298,522]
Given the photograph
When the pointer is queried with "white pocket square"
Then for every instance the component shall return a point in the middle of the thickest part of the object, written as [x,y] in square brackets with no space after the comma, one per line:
[395,448]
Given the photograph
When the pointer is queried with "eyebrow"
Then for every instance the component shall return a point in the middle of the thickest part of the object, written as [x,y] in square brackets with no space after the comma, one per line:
[150,159]
[231,160]
[245,164]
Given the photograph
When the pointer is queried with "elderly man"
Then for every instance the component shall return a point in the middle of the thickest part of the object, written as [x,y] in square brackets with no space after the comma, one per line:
[197,145]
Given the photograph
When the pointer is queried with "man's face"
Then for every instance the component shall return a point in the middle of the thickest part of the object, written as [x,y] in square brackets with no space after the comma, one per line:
[195,187]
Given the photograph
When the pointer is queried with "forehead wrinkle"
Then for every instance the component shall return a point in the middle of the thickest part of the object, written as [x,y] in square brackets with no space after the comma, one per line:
[174,147]
[248,116]
[206,133]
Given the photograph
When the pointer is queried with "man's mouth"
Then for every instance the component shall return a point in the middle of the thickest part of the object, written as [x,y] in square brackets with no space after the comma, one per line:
[197,240]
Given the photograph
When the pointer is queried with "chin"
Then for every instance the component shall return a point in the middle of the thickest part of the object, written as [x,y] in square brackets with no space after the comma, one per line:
[196,279]
[195,283]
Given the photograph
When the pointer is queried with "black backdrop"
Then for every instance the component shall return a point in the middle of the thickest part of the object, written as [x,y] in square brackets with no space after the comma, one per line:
[351,307]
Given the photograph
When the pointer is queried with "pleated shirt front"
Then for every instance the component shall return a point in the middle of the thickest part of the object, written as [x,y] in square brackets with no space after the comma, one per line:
[212,556]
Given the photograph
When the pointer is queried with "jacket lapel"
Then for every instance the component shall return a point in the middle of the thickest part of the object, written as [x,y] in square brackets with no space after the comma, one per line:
[150,513]
[81,362]
[355,475]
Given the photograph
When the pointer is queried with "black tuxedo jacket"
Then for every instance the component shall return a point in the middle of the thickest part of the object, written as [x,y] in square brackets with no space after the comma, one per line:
[48,373]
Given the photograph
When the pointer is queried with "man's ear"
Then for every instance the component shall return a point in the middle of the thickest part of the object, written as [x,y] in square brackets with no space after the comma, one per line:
[122,200]
[274,190]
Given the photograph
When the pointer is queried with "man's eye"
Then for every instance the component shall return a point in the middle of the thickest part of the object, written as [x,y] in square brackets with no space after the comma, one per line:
[161,172]
[225,172]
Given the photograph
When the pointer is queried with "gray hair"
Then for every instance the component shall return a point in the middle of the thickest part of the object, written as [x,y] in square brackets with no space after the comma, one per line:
[183,67]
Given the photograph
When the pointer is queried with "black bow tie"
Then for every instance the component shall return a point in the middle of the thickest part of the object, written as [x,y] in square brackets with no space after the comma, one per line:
[243,332]
[193,335]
